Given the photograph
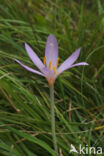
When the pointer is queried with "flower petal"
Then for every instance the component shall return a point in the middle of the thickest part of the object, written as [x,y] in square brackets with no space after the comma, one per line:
[74,65]
[33,56]
[29,69]
[48,73]
[51,51]
[69,61]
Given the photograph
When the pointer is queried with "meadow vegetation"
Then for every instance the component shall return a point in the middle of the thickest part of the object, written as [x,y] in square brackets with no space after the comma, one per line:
[25,127]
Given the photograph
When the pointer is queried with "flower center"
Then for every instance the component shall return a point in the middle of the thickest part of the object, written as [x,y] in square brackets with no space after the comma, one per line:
[50,65]
[55,71]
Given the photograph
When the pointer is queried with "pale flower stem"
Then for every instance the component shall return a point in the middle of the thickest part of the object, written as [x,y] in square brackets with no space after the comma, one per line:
[53,118]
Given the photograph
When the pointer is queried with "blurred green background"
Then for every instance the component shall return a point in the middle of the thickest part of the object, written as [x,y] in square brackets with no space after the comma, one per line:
[25,127]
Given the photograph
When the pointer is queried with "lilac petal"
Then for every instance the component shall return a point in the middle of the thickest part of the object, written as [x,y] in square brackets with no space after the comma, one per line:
[29,69]
[74,65]
[69,61]
[51,51]
[36,60]
[48,73]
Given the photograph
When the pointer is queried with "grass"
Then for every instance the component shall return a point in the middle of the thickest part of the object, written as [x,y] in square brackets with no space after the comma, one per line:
[25,127]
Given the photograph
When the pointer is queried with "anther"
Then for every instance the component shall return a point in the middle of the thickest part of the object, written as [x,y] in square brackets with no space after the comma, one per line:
[50,63]
[55,71]
[57,62]
[44,60]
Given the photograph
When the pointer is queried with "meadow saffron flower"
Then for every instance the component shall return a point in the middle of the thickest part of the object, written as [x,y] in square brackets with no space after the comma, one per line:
[49,68]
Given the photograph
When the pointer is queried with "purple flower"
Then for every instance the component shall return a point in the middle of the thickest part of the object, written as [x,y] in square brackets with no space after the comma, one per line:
[49,68]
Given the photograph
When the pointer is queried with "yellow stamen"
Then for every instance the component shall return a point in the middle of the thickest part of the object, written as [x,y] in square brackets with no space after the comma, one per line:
[50,63]
[44,60]
[55,70]
[57,62]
